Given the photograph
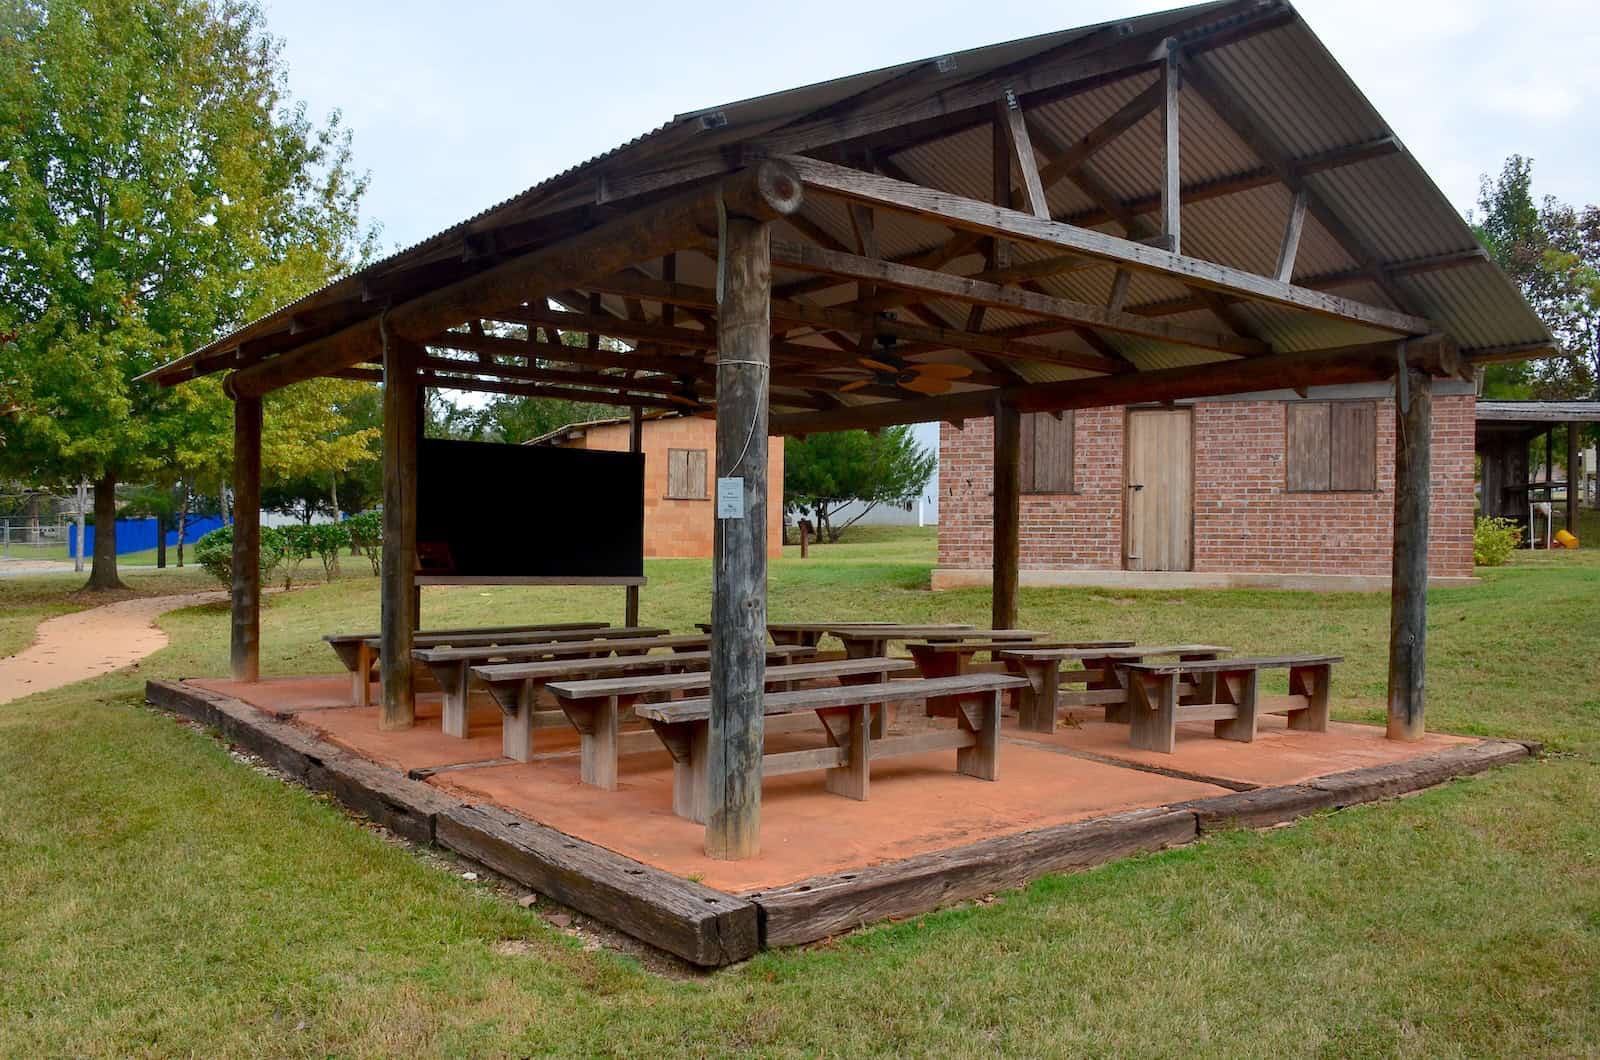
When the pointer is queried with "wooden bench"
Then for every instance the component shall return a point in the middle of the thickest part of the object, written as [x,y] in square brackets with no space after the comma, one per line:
[516,686]
[352,650]
[949,657]
[684,726]
[1155,710]
[450,665]
[1105,685]
[597,708]
[872,641]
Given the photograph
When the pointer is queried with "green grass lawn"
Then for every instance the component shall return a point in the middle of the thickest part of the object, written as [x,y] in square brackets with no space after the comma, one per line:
[163,898]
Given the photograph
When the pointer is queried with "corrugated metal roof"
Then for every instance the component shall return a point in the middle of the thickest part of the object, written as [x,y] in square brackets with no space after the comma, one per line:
[1296,94]
[1538,411]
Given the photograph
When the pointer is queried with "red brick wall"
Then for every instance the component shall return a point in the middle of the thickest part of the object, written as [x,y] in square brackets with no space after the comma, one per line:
[1244,520]
[682,528]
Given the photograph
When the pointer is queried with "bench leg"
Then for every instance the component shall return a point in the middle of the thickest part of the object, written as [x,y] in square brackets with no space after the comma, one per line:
[516,727]
[1153,712]
[982,718]
[1240,689]
[1205,690]
[363,676]
[597,745]
[1037,710]
[1311,682]
[850,729]
[453,680]
[690,783]
[1111,678]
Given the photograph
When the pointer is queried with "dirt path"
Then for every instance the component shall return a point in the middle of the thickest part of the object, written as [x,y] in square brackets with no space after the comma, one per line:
[89,643]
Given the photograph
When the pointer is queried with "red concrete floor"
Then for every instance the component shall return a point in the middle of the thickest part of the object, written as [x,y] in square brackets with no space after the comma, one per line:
[916,804]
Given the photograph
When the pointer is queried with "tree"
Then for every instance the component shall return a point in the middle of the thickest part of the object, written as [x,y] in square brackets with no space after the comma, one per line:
[826,471]
[157,187]
[1552,252]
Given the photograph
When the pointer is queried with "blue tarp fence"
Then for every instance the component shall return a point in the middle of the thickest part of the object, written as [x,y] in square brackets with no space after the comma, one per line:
[139,535]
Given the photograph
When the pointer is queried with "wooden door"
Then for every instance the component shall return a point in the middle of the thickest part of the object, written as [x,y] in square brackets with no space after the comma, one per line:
[1158,518]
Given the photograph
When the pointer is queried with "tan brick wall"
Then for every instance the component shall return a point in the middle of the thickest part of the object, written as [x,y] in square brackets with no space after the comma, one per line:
[680,528]
[1244,520]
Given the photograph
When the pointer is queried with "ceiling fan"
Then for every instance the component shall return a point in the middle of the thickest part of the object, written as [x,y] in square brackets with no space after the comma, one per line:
[890,370]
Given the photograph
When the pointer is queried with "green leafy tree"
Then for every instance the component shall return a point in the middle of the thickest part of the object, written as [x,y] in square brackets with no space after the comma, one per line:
[157,187]
[826,471]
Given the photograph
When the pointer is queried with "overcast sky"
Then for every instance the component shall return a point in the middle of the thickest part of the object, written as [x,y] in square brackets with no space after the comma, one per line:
[456,106]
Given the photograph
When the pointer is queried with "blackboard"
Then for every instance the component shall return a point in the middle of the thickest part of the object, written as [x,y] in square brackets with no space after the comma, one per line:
[528,511]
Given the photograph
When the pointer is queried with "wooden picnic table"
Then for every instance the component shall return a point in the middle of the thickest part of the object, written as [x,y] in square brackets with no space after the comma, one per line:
[1037,703]
[450,665]
[845,712]
[862,642]
[515,686]
[1235,702]
[811,633]
[359,659]
[947,658]
[598,707]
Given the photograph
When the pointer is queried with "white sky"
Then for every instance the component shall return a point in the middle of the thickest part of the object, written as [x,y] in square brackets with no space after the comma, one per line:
[457,106]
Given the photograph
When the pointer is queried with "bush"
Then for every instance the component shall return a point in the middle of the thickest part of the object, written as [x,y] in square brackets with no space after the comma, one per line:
[366,534]
[323,540]
[214,552]
[1493,541]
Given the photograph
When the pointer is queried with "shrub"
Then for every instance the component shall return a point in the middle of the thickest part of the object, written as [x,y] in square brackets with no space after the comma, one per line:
[366,533]
[214,552]
[1493,541]
[323,540]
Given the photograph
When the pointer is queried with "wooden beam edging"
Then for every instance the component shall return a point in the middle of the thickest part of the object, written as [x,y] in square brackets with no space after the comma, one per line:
[703,926]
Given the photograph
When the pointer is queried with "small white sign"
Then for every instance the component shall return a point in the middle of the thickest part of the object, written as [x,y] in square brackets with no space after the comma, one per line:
[730,498]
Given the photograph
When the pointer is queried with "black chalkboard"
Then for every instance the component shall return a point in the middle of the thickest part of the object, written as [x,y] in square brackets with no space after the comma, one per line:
[528,511]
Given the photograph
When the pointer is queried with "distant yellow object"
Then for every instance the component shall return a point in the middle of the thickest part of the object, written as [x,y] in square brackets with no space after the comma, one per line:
[1566,540]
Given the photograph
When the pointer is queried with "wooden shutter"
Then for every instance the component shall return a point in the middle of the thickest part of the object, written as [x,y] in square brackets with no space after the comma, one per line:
[1047,453]
[686,474]
[1352,445]
[1307,464]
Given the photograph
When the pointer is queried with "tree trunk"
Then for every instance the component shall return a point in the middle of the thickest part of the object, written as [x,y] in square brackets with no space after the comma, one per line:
[183,523]
[103,575]
[161,542]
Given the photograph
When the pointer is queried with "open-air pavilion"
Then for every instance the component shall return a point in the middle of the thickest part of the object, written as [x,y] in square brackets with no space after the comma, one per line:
[1180,205]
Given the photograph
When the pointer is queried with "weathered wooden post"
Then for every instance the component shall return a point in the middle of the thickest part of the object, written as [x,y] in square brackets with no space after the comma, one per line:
[635,445]
[245,627]
[1408,593]
[399,575]
[1007,515]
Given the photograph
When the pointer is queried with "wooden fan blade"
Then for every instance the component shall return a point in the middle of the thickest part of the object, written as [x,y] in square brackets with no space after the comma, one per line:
[926,385]
[942,371]
[855,384]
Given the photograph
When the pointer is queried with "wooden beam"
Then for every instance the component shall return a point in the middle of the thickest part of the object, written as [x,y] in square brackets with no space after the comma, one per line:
[401,430]
[1119,290]
[1408,592]
[1290,246]
[800,256]
[1574,477]
[244,647]
[1022,157]
[960,212]
[1171,182]
[767,190]
[1362,363]
[1006,558]
[739,562]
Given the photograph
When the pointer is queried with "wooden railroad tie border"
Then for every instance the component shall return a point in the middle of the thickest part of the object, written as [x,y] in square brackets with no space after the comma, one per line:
[710,928]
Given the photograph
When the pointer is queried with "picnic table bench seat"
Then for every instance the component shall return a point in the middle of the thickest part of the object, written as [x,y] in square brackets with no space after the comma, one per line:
[352,650]
[515,686]
[597,707]
[845,711]
[1105,686]
[1235,705]
[450,664]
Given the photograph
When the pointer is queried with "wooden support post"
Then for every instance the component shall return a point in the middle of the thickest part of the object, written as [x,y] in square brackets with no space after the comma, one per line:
[1574,478]
[1290,246]
[1408,609]
[739,566]
[399,584]
[1007,515]
[245,634]
[1171,182]
[635,445]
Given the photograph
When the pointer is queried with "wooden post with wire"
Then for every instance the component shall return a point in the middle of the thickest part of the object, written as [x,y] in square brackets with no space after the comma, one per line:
[244,648]
[1408,592]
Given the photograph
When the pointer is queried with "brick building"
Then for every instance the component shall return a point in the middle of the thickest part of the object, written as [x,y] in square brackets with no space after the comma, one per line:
[1267,490]
[678,487]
